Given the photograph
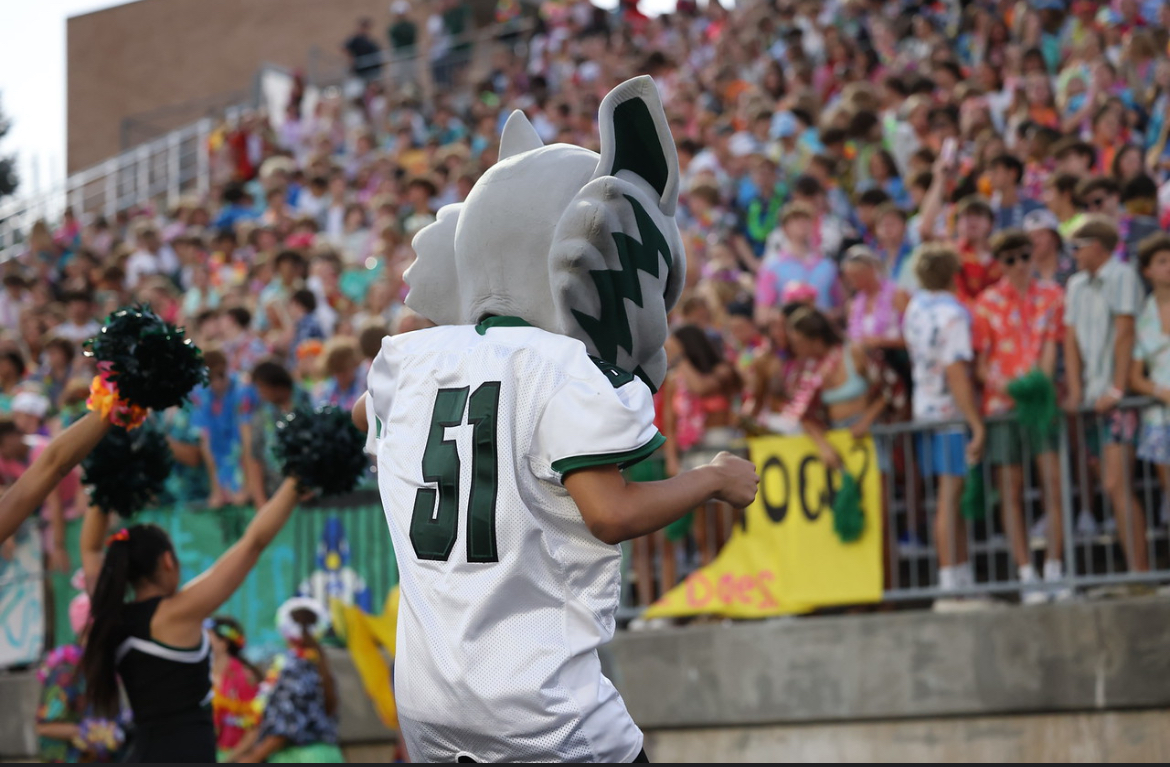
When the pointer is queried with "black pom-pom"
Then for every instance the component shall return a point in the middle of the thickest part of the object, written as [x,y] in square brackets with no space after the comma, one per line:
[127,469]
[322,449]
[153,364]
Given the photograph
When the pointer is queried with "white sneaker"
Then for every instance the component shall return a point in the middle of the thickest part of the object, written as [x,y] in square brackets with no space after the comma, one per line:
[1086,524]
[1110,526]
[1054,581]
[1031,589]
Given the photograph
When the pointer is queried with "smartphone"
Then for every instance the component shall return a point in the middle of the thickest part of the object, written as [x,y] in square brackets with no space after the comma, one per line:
[950,145]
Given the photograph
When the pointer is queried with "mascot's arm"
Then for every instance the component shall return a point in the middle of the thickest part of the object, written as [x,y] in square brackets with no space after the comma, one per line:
[359,413]
[47,471]
[616,510]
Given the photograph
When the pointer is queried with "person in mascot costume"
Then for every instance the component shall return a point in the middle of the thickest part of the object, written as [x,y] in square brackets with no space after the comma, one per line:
[499,436]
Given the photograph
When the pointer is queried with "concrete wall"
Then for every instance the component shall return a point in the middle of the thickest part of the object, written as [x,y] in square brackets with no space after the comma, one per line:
[1115,737]
[1060,682]
[1069,657]
[144,55]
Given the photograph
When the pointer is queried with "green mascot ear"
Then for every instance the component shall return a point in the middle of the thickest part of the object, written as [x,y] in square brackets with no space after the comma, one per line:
[636,140]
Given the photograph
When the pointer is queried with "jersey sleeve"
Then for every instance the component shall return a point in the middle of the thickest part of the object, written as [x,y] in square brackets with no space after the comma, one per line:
[380,384]
[602,417]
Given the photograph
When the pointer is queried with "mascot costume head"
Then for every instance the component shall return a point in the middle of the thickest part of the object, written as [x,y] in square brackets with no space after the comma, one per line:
[573,242]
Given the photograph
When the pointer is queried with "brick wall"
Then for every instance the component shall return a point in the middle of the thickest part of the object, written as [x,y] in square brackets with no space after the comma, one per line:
[146,55]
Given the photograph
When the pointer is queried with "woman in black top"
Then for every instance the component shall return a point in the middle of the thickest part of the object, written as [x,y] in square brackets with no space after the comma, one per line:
[156,643]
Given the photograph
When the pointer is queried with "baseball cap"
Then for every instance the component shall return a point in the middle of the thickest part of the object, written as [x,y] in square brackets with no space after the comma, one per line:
[1041,219]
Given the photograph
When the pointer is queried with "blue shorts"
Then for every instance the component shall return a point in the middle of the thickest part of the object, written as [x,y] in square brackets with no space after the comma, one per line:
[942,453]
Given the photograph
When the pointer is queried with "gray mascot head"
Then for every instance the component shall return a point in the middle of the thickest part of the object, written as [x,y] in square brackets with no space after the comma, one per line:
[573,242]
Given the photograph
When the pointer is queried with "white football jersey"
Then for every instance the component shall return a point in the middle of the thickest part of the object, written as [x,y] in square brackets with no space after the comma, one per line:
[505,594]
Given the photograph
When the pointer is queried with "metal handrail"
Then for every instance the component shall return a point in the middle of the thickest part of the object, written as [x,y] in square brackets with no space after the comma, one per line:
[917,427]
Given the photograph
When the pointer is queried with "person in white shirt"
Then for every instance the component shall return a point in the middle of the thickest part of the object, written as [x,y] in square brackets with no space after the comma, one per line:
[79,325]
[152,257]
[937,328]
[14,299]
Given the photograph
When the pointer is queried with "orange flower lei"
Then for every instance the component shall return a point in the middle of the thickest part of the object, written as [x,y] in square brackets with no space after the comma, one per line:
[104,400]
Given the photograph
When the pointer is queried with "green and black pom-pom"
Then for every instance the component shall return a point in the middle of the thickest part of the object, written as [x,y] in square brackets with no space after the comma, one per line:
[1036,405]
[127,469]
[322,449]
[150,360]
[848,518]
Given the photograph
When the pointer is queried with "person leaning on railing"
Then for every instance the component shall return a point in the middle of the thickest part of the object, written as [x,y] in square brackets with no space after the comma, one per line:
[937,328]
[1018,323]
[1149,372]
[1100,305]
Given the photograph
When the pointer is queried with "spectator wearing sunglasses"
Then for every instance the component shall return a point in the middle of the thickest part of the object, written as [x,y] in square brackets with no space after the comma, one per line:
[1101,303]
[1017,325]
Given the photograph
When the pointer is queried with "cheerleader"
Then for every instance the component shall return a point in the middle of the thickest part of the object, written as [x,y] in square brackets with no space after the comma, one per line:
[156,643]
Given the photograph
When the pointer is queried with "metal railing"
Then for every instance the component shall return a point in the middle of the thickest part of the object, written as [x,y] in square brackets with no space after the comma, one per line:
[1076,485]
[157,171]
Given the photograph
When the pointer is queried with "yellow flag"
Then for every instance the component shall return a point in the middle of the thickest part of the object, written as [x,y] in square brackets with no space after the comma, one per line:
[363,635]
[787,557]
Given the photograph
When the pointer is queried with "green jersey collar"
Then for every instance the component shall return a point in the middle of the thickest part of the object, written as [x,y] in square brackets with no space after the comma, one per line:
[500,322]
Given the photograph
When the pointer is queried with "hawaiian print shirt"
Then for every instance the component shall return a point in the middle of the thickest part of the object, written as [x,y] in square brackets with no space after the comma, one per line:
[1011,330]
[937,328]
[294,709]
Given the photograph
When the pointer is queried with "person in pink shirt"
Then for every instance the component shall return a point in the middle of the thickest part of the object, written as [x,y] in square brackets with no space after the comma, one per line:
[17,453]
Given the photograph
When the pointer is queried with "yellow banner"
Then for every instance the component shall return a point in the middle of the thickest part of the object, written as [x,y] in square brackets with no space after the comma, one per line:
[787,558]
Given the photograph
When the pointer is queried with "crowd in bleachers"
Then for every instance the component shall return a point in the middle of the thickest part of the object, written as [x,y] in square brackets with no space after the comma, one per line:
[891,211]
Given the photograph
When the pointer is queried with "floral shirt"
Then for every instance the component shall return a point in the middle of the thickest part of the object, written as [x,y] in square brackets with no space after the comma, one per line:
[977,272]
[294,708]
[937,328]
[184,483]
[875,317]
[1012,329]
[232,705]
[330,392]
[62,702]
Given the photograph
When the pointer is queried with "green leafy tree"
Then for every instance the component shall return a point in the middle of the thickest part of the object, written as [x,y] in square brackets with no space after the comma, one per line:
[8,178]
